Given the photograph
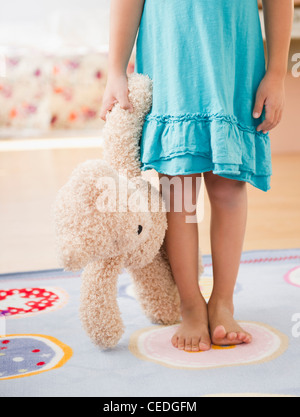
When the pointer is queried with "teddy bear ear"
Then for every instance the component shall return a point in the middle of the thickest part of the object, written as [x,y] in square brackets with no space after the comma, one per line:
[114,192]
[107,186]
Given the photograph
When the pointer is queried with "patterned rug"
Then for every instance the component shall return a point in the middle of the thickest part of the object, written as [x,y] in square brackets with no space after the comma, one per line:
[44,352]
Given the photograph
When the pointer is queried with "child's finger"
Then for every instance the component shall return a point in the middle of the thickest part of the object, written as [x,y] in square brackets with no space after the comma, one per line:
[266,125]
[259,105]
[277,118]
[102,113]
[125,103]
[107,106]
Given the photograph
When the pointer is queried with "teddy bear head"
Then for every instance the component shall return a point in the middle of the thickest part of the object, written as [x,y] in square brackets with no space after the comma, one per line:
[101,214]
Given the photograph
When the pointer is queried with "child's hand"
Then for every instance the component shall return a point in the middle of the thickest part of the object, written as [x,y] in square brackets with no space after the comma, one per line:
[270,94]
[116,91]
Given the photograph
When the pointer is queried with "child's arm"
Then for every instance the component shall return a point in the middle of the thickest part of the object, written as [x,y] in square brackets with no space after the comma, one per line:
[125,16]
[278,16]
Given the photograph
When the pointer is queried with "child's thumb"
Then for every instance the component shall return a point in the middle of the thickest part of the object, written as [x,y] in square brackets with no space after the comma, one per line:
[259,106]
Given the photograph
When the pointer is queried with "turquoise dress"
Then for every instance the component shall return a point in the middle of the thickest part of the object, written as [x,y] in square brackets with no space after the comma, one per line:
[206,60]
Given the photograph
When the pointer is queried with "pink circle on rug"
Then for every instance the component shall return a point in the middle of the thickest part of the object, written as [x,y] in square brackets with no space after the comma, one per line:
[293,276]
[154,344]
[20,302]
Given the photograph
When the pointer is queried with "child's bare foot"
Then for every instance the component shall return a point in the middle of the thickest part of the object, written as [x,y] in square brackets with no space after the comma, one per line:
[193,334]
[224,329]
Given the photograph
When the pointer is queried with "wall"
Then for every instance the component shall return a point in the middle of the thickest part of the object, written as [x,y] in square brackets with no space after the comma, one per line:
[48,23]
[35,10]
[285,138]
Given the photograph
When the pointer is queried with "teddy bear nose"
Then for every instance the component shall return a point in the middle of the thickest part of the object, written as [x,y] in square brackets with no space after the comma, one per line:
[140,228]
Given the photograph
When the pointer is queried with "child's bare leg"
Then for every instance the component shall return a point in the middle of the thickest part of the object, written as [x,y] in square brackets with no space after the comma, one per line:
[181,243]
[228,200]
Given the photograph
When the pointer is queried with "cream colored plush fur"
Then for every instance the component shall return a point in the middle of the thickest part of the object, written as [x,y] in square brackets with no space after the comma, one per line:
[93,236]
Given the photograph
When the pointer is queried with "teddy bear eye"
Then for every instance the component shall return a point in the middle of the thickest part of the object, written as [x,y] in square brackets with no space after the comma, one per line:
[140,228]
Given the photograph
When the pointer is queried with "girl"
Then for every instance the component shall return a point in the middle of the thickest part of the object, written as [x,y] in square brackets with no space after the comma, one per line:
[214,102]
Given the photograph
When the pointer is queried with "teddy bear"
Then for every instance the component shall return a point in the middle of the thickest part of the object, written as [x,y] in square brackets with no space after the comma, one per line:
[109,218]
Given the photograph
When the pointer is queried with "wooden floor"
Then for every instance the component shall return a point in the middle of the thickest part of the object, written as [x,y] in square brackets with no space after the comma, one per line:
[30,179]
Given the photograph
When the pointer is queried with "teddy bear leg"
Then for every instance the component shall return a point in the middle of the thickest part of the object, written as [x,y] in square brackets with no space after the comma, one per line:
[99,310]
[157,291]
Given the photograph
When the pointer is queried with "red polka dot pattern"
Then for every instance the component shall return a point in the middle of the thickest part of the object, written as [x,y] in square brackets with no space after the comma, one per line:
[18,302]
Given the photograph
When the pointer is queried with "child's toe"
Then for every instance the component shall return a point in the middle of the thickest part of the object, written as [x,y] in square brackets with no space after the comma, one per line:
[205,343]
[195,344]
[204,346]
[219,333]
[188,344]
[232,336]
[174,341]
[181,343]
[241,336]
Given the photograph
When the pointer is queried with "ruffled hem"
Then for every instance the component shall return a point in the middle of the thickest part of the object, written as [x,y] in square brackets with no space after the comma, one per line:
[187,164]
[194,143]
